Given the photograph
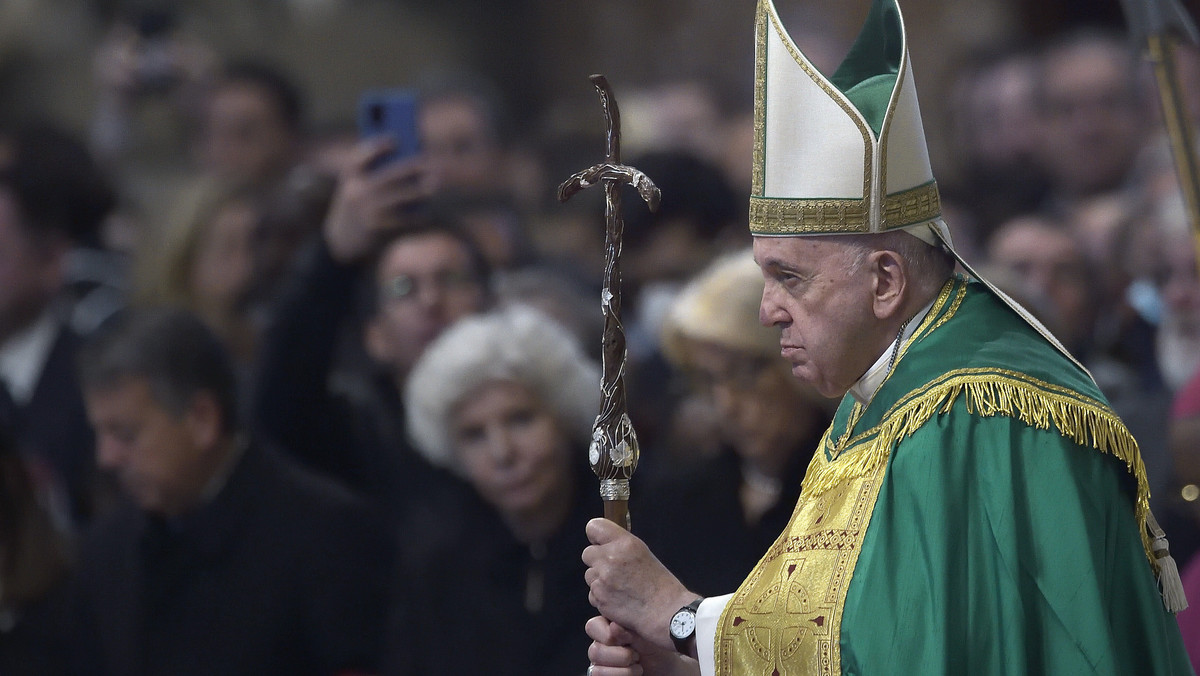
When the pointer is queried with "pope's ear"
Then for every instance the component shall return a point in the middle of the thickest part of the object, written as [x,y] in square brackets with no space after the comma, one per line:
[889,282]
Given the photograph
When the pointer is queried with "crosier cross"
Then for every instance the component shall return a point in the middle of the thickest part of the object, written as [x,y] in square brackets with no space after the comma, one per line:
[614,450]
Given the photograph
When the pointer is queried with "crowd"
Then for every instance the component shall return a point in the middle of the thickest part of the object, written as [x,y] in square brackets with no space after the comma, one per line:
[269,407]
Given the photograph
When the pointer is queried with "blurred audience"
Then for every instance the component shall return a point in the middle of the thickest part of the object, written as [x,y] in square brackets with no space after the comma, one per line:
[226,558]
[699,217]
[995,138]
[252,124]
[413,274]
[463,135]
[1185,448]
[203,260]
[36,555]
[1042,254]
[1175,277]
[327,281]
[53,201]
[506,400]
[1093,117]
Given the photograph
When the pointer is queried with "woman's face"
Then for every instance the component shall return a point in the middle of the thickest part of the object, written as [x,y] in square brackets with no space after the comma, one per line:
[224,260]
[763,413]
[511,448]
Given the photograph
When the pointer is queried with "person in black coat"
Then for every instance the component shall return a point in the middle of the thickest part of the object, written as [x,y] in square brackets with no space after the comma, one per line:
[506,400]
[227,558]
[329,381]
[53,202]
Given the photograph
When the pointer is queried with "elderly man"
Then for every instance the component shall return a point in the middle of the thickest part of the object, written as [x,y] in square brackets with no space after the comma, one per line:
[975,507]
[420,273]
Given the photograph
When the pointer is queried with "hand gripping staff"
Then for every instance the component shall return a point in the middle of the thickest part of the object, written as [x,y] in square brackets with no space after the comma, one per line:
[614,450]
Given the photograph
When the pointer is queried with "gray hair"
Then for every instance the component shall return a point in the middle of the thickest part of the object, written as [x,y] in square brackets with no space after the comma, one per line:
[512,344]
[930,266]
[172,349]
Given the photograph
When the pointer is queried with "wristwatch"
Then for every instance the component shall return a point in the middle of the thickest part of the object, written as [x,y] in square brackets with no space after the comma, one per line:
[683,627]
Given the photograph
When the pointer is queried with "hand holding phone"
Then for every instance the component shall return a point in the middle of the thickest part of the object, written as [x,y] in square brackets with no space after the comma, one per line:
[391,113]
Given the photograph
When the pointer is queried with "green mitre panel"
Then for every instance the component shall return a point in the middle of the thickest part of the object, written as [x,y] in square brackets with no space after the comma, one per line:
[868,74]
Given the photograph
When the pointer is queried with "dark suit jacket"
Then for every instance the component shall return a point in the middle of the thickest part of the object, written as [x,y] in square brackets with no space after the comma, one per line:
[53,425]
[282,573]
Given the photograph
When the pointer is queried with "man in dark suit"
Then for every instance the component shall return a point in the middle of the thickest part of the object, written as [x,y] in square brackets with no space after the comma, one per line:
[53,200]
[228,558]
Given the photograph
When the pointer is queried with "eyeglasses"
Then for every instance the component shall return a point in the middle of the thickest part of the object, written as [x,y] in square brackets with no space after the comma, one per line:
[408,287]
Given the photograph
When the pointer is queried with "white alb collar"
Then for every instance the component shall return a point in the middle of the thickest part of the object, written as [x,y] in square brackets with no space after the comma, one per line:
[866,387]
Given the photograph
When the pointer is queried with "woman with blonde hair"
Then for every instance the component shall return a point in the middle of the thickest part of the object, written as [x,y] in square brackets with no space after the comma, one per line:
[203,260]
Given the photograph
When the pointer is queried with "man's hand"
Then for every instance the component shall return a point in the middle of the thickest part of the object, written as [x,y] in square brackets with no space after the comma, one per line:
[615,651]
[371,201]
[629,586]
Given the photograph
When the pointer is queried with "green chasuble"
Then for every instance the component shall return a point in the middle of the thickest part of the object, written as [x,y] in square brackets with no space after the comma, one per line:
[983,514]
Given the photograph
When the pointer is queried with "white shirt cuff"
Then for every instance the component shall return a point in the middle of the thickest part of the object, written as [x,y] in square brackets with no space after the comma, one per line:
[708,615]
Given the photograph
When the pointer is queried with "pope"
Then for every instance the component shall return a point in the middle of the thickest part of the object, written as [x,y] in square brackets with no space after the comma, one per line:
[976,507]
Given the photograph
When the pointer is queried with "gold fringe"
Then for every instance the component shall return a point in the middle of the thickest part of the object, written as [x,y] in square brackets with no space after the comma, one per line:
[986,393]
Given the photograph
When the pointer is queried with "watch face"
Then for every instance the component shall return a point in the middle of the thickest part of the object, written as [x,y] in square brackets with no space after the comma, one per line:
[683,624]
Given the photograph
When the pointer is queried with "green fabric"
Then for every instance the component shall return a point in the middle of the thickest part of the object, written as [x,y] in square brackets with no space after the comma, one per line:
[995,547]
[994,337]
[868,74]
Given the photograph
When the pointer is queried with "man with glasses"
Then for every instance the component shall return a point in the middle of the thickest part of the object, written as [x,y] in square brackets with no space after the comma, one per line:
[330,378]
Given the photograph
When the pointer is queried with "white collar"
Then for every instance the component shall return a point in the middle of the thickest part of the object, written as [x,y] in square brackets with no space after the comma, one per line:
[866,387]
[24,354]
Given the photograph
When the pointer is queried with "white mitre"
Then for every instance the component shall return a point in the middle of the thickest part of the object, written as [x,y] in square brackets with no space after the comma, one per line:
[844,154]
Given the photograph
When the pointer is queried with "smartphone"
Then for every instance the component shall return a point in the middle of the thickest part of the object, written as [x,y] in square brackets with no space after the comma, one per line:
[156,68]
[392,113]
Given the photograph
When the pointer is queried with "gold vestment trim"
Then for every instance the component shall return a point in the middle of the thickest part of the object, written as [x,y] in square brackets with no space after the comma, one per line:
[988,392]
[786,617]
[780,216]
